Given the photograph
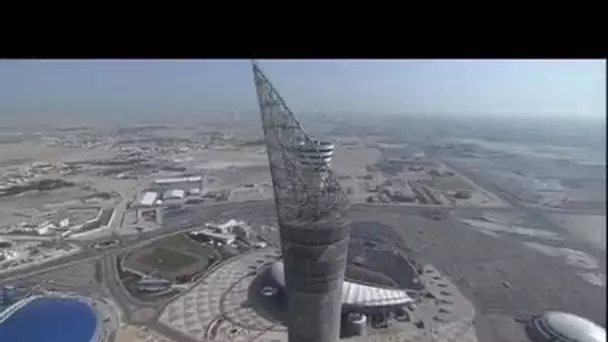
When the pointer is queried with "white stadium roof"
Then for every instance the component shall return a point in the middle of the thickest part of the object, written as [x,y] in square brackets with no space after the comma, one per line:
[365,295]
[356,294]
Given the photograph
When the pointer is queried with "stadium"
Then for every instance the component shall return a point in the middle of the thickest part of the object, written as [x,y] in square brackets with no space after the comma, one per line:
[379,281]
[356,296]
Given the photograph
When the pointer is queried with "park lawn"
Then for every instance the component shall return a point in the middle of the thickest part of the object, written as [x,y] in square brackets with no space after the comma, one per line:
[175,241]
[180,242]
[167,260]
[183,243]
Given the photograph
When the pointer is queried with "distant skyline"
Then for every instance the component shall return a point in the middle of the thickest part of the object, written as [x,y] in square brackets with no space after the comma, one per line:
[120,88]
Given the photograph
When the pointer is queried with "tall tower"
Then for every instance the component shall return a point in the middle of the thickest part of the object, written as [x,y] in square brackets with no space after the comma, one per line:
[311,207]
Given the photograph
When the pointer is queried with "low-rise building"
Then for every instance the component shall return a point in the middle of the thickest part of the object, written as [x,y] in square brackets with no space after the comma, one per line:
[174,194]
[224,238]
[184,183]
[148,199]
[194,192]
[150,202]
[64,223]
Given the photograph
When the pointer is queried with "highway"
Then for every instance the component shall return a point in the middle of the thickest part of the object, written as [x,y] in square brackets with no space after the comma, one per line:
[89,254]
[193,217]
[130,306]
[536,212]
[114,285]
[190,218]
[196,216]
[513,200]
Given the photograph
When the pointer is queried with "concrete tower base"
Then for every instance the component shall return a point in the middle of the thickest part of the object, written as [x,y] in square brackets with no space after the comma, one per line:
[314,257]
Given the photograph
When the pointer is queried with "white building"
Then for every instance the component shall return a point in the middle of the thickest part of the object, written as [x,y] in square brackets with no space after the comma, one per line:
[224,238]
[174,194]
[194,192]
[44,230]
[64,223]
[10,254]
[174,198]
[183,183]
[149,202]
[148,199]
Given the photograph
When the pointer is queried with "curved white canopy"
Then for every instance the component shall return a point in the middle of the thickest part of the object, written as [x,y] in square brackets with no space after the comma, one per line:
[356,294]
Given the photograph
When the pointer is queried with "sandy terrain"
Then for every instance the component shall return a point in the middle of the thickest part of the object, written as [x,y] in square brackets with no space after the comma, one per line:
[25,259]
[589,228]
[534,150]
[502,275]
[493,227]
[588,267]
[349,163]
[218,159]
[583,264]
[352,160]
[31,151]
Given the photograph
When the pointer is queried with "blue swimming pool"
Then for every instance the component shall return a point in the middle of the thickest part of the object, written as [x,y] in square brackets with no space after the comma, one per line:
[50,319]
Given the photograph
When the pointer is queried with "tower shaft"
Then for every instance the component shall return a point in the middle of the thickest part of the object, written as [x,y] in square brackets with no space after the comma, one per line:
[314,231]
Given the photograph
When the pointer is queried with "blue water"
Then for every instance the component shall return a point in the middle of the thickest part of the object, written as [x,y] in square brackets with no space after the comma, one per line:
[50,320]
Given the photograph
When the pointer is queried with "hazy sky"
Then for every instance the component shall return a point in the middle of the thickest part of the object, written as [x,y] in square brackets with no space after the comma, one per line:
[479,87]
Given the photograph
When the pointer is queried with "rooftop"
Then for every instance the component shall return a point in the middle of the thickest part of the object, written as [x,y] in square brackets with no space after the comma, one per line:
[178,180]
[149,198]
[174,193]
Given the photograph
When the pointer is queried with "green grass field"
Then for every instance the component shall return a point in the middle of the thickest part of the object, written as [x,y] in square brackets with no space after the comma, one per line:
[175,241]
[451,183]
[167,260]
[184,243]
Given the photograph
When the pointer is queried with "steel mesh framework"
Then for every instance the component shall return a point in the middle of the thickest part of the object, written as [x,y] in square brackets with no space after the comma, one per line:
[284,136]
[312,222]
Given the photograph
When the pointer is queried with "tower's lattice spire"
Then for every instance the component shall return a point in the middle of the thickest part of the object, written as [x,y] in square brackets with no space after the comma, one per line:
[284,137]
[311,208]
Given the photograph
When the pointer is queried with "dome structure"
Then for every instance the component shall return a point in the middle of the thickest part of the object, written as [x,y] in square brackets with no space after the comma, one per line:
[565,327]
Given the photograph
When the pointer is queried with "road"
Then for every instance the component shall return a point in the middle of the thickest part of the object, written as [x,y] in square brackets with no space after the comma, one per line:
[107,257]
[460,252]
[536,212]
[89,254]
[513,200]
[112,281]
[170,333]
[193,217]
